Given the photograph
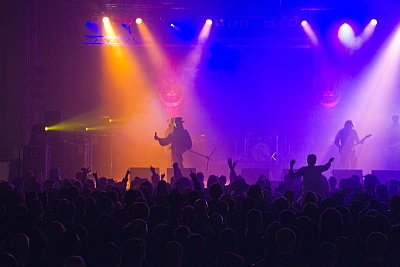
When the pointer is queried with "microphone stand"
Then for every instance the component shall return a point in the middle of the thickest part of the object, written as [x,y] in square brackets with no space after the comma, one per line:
[204,156]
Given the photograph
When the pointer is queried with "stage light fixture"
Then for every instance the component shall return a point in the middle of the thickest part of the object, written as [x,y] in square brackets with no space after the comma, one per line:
[106,19]
[244,23]
[138,21]
[346,35]
[92,26]
[95,19]
[126,27]
[128,21]
[219,22]
[304,23]
[292,22]
[117,20]
[172,25]
[232,23]
[209,22]
[374,22]
[268,24]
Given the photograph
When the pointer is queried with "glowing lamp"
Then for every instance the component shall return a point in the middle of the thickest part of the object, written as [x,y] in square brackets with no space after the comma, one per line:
[139,21]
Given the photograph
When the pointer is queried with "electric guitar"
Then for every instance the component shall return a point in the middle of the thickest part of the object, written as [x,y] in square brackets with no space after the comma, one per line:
[392,149]
[362,140]
[351,149]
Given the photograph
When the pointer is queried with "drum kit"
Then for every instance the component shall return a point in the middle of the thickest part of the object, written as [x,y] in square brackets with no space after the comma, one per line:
[261,147]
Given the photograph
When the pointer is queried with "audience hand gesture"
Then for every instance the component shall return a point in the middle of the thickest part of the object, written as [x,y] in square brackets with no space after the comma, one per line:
[85,170]
[331,160]
[152,169]
[155,136]
[231,164]
[125,179]
[292,162]
[162,176]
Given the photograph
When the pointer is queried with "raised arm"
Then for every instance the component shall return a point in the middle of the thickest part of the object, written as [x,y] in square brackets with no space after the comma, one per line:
[125,179]
[196,184]
[163,141]
[293,174]
[96,178]
[232,175]
[326,167]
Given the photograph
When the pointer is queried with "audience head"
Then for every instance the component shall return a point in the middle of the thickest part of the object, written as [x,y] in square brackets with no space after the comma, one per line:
[285,241]
[311,159]
[229,259]
[376,247]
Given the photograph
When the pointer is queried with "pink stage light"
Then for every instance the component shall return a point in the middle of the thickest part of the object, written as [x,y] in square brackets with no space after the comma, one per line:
[368,30]
[310,32]
[209,22]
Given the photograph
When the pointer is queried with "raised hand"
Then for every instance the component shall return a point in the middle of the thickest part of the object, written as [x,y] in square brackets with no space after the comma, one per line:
[231,164]
[331,159]
[162,176]
[292,162]
[155,136]
[85,170]
[153,171]
[128,171]
[193,175]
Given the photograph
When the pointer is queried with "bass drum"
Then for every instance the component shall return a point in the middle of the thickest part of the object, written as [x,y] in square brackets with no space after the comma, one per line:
[261,146]
[261,152]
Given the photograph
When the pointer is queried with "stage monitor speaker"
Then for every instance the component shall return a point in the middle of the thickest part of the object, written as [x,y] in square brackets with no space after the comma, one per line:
[37,159]
[385,175]
[251,175]
[185,172]
[4,170]
[143,172]
[101,154]
[345,174]
[58,150]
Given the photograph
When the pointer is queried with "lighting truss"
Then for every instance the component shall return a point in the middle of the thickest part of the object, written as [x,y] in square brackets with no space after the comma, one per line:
[110,40]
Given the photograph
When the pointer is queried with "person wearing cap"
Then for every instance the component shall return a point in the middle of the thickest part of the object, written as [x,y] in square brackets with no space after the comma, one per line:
[179,139]
[346,139]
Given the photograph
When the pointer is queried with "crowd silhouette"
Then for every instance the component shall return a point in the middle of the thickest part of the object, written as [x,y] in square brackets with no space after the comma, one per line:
[146,221]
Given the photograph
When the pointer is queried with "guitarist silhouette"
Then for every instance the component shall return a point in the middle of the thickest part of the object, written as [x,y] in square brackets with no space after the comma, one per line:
[346,140]
[392,145]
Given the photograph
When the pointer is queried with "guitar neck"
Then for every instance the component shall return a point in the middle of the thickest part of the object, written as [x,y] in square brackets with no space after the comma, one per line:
[362,140]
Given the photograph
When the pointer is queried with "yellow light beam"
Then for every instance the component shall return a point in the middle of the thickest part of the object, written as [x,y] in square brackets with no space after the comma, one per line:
[156,55]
